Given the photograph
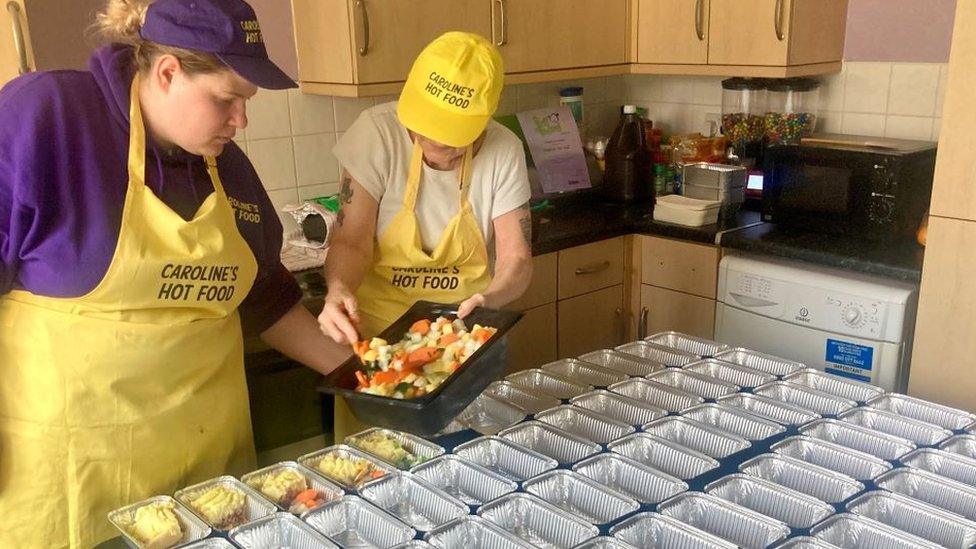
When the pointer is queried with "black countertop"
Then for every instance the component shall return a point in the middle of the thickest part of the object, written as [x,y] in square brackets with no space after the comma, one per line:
[899,260]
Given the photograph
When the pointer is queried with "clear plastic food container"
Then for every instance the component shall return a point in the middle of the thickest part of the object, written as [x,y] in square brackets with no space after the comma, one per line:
[473,531]
[550,441]
[742,376]
[767,408]
[505,458]
[254,507]
[354,522]
[915,517]
[413,501]
[916,431]
[763,362]
[923,410]
[805,397]
[704,386]
[849,531]
[793,106]
[857,465]
[744,107]
[835,385]
[532,402]
[585,424]
[726,520]
[795,509]
[277,531]
[193,527]
[659,353]
[697,436]
[735,421]
[826,485]
[464,480]
[656,531]
[619,407]
[688,343]
[630,478]
[656,394]
[551,384]
[581,496]
[665,456]
[585,372]
[858,438]
[537,522]
[622,362]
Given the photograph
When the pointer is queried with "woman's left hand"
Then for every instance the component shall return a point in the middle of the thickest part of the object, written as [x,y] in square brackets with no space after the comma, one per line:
[469,304]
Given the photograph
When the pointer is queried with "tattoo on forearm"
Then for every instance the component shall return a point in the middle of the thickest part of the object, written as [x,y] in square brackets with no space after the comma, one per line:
[525,222]
[345,197]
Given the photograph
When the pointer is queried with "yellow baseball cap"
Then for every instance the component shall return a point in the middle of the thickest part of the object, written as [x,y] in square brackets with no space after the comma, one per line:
[453,89]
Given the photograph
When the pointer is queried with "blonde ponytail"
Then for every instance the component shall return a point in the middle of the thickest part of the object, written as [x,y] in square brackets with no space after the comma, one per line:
[120,23]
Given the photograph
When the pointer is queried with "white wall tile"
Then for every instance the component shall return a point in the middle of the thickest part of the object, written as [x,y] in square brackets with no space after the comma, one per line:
[616,89]
[936,129]
[279,199]
[678,89]
[347,109]
[830,122]
[508,103]
[316,191]
[866,87]
[310,113]
[708,91]
[267,114]
[914,88]
[832,92]
[274,160]
[314,162]
[670,117]
[940,93]
[644,88]
[863,124]
[908,127]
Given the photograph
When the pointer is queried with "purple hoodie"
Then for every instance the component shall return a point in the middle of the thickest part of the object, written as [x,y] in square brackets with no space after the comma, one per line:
[64,138]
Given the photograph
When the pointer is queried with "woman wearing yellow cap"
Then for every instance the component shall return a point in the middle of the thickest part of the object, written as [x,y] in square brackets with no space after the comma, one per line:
[434,198]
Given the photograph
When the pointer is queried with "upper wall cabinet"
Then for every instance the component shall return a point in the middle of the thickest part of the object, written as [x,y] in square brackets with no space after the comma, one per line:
[773,38]
[366,47]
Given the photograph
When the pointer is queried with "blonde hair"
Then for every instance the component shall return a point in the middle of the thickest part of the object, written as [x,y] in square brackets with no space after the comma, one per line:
[120,22]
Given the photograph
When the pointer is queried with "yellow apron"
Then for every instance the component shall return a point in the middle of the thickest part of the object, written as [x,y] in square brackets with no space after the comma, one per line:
[134,389]
[403,273]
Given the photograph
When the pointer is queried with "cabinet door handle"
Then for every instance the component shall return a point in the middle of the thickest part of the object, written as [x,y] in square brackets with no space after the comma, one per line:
[581,271]
[778,21]
[642,324]
[503,34]
[19,41]
[700,20]
[361,5]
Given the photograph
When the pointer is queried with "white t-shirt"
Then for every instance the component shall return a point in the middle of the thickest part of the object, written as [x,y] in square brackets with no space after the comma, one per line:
[376,151]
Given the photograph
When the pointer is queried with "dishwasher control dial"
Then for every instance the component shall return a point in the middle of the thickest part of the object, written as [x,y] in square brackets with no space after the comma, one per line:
[853,316]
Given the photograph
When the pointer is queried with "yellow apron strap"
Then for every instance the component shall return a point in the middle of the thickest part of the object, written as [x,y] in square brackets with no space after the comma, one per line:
[218,185]
[413,178]
[137,137]
[464,175]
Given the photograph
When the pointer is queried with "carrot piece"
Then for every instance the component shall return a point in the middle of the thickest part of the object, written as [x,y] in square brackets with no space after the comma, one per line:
[454,366]
[389,376]
[447,339]
[361,377]
[423,355]
[481,335]
[376,473]
[421,327]
[306,495]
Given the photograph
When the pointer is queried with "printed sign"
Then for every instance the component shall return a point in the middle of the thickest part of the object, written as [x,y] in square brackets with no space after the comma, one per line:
[849,360]
[556,148]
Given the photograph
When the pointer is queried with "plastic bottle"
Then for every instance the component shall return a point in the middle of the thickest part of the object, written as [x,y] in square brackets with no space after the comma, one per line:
[660,180]
[628,162]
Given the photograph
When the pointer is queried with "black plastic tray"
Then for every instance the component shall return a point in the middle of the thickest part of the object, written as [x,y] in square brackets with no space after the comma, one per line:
[430,413]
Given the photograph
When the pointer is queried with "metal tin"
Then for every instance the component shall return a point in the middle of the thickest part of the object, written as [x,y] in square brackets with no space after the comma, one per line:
[767,408]
[697,436]
[550,441]
[622,362]
[770,364]
[279,530]
[893,424]
[628,477]
[375,467]
[330,491]
[473,532]
[585,372]
[581,496]
[726,520]
[619,407]
[805,542]
[812,480]
[857,465]
[946,464]
[585,423]
[532,402]
[964,445]
[540,523]
[656,531]
[835,385]
[256,506]
[664,455]
[656,394]
[421,449]
[734,420]
[658,353]
[805,397]
[192,526]
[488,415]
[731,373]
[604,542]
[923,410]
[688,343]
[209,543]
[505,458]
[454,426]
[464,480]
[859,438]
[354,522]
[915,517]
[703,386]
[413,501]
[551,384]
[941,492]
[413,544]
[795,509]
[849,531]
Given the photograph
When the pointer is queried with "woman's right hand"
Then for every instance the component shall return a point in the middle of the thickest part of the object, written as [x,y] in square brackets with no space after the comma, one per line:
[340,317]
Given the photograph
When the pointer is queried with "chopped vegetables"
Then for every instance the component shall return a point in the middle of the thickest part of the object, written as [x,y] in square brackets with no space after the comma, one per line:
[416,365]
[388,448]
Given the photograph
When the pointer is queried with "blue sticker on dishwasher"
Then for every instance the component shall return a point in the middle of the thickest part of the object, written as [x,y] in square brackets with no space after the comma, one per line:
[850,359]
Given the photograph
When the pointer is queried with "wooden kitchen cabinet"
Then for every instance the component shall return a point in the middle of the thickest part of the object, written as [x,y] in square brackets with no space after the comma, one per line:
[44,35]
[591,321]
[665,310]
[678,265]
[532,342]
[542,288]
[672,31]
[591,267]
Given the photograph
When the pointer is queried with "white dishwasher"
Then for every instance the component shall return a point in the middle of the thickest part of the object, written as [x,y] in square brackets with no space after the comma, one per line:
[850,324]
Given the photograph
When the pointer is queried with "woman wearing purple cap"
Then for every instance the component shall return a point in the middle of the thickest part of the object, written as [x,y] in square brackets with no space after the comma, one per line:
[128,271]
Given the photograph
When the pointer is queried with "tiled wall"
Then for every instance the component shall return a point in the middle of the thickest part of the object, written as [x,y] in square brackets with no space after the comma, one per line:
[290,135]
[901,100]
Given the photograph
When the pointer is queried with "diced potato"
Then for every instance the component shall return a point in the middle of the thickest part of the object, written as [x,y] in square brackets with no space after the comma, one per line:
[376,343]
[370,355]
[410,378]
[448,329]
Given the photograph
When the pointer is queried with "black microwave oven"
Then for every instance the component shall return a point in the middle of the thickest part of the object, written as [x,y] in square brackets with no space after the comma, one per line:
[867,187]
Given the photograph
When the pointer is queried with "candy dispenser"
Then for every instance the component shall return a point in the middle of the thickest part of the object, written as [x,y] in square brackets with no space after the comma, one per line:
[792,112]
[743,109]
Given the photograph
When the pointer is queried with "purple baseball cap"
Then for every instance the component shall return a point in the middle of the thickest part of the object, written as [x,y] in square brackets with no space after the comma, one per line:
[228,29]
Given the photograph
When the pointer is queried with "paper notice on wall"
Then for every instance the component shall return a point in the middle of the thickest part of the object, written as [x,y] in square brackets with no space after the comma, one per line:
[556,148]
